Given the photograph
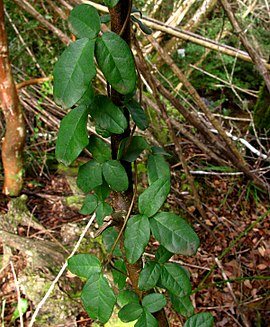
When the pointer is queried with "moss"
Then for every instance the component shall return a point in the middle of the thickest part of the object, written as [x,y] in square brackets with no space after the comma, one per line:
[74,201]
[58,309]
[262,109]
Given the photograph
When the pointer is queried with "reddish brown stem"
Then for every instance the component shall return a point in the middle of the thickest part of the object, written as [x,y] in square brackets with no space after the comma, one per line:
[13,140]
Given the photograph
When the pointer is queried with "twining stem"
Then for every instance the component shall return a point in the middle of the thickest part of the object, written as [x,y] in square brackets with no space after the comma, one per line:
[127,215]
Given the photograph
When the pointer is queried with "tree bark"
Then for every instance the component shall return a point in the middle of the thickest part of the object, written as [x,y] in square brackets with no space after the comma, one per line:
[13,141]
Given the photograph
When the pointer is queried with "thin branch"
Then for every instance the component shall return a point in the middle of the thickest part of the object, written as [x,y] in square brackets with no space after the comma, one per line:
[258,61]
[18,293]
[55,281]
[25,5]
[188,36]
[243,316]
[24,44]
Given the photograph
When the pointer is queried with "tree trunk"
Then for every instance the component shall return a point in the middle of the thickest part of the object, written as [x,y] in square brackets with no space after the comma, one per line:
[13,140]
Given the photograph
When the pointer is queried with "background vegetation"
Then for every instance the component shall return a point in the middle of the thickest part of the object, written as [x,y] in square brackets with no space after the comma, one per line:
[229,211]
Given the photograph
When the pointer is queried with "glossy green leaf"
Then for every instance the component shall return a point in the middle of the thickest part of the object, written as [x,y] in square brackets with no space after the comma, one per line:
[203,319]
[162,255]
[90,203]
[115,175]
[149,276]
[107,115]
[130,149]
[73,71]
[130,312]
[102,191]
[22,307]
[105,19]
[146,320]
[154,302]
[152,199]
[174,233]
[84,265]
[88,96]
[100,150]
[137,113]
[102,132]
[108,237]
[175,279]
[89,176]
[115,59]
[183,304]
[72,136]
[111,3]
[84,21]
[157,167]
[98,298]
[126,296]
[137,234]
[103,210]
[119,274]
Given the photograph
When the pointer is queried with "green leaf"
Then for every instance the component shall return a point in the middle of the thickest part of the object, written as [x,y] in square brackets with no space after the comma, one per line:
[183,305]
[84,265]
[23,306]
[137,113]
[137,234]
[130,312]
[103,210]
[149,276]
[107,115]
[98,298]
[175,279]
[131,148]
[103,132]
[154,302]
[105,19]
[108,238]
[146,320]
[174,233]
[100,150]
[72,136]
[102,191]
[73,71]
[89,176]
[111,3]
[157,167]
[151,200]
[88,96]
[115,175]
[118,277]
[162,255]
[115,59]
[126,296]
[156,150]
[203,319]
[84,21]
[90,203]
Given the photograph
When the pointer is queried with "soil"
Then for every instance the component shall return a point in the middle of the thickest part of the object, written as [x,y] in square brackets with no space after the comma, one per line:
[226,251]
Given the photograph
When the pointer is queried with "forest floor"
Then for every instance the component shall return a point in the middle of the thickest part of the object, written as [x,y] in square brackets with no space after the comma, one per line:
[235,245]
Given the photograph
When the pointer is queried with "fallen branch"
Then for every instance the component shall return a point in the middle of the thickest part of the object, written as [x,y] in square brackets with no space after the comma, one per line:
[188,36]
[258,61]
[55,281]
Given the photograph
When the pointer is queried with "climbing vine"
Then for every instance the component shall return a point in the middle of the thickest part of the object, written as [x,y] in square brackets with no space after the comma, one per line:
[109,178]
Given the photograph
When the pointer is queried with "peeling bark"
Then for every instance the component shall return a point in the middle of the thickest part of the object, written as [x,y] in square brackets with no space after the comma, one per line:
[13,141]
